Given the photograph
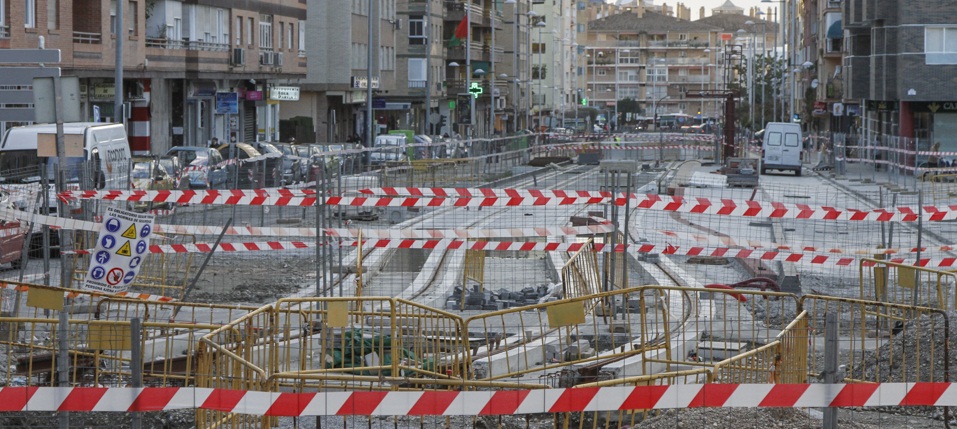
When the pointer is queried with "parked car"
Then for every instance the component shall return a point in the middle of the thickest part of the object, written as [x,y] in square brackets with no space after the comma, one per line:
[292,164]
[202,166]
[174,168]
[242,174]
[311,160]
[150,175]
[273,159]
[388,148]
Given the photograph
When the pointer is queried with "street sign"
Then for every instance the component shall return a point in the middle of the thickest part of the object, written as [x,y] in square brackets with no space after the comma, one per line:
[120,250]
[20,77]
[29,56]
[44,101]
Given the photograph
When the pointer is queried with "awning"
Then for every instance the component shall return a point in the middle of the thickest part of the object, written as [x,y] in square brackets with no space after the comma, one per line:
[835,31]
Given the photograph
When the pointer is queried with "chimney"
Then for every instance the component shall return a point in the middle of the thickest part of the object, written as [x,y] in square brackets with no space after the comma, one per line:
[701,13]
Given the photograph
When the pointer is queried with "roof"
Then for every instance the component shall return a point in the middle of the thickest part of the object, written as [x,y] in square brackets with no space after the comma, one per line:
[731,23]
[650,22]
[728,6]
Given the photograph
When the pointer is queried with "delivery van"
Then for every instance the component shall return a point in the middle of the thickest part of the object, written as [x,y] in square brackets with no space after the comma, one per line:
[781,148]
[105,162]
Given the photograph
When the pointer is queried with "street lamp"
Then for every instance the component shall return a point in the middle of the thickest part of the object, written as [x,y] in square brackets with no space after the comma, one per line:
[661,148]
[540,25]
[750,75]
[707,55]
[528,68]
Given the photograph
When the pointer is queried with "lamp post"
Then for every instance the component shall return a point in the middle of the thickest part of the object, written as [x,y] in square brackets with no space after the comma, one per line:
[617,78]
[661,148]
[750,76]
[707,55]
[783,82]
[528,68]
[540,25]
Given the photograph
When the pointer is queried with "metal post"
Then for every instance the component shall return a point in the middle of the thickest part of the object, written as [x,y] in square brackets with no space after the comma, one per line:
[63,361]
[491,96]
[427,126]
[136,366]
[370,132]
[542,104]
[920,236]
[118,116]
[468,71]
[830,364]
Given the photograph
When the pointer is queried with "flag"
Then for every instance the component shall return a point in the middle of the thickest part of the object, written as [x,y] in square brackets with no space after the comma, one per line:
[461,33]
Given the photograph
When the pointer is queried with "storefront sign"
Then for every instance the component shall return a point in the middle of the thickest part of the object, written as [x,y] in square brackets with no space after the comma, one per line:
[837,109]
[104,91]
[227,103]
[881,106]
[284,93]
[852,109]
[362,82]
[254,95]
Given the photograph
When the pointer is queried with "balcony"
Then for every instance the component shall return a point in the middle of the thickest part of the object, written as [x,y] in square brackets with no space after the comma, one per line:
[677,44]
[458,53]
[190,45]
[455,11]
[82,37]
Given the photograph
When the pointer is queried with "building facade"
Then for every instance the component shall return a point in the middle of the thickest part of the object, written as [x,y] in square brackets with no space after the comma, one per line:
[192,71]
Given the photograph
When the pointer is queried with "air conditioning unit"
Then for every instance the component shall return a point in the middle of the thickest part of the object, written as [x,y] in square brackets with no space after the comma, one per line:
[277,59]
[500,103]
[265,58]
[239,57]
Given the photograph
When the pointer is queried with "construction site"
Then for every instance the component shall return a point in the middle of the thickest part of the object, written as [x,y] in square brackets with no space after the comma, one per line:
[571,284]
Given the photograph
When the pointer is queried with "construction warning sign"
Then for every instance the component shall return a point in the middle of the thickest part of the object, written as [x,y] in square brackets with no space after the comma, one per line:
[122,245]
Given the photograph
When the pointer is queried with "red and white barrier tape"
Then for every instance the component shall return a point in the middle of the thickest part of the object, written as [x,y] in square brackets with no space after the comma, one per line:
[514,198]
[755,244]
[476,403]
[480,193]
[426,234]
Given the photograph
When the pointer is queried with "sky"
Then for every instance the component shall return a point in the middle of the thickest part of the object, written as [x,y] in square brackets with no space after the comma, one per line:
[694,5]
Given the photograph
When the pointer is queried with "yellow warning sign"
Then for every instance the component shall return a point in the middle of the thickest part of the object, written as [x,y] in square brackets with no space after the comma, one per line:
[124,250]
[130,232]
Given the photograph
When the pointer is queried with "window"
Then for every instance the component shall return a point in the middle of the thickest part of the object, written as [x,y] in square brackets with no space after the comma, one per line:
[175,32]
[940,45]
[417,30]
[249,32]
[302,36]
[239,30]
[290,37]
[417,70]
[601,72]
[132,18]
[657,74]
[539,71]
[282,34]
[538,48]
[30,14]
[265,31]
[3,16]
[53,14]
[222,26]
[581,28]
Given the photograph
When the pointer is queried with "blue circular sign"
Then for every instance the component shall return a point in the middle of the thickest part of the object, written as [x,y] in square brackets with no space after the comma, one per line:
[112,224]
[98,273]
[128,278]
[140,247]
[135,262]
[102,257]
[108,241]
[145,230]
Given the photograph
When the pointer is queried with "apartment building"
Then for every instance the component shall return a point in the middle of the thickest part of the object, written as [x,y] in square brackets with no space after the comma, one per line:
[192,71]
[333,93]
[648,57]
[554,58]
[900,65]
[826,109]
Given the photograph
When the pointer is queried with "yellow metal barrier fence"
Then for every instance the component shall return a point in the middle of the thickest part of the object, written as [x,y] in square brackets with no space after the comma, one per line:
[894,283]
[880,342]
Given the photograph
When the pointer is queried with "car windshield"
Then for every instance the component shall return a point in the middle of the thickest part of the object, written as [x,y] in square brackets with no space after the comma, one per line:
[141,170]
[268,148]
[193,157]
[286,150]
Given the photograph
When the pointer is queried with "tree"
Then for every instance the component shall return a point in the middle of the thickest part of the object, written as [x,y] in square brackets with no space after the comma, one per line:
[628,105]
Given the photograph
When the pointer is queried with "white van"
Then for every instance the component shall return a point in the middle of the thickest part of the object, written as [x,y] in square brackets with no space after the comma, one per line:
[389,148]
[781,147]
[106,151]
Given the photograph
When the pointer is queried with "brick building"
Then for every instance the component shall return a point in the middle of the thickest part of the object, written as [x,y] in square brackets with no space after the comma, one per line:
[179,58]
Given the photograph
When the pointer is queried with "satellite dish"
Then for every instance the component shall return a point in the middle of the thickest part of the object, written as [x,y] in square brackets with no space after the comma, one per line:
[815,83]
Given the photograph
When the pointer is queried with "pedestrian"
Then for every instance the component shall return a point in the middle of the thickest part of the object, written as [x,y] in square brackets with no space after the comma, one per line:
[215,143]
[933,158]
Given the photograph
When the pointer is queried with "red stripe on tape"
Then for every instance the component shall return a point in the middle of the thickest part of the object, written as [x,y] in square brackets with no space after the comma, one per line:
[82,399]
[433,403]
[290,404]
[15,398]
[784,395]
[504,402]
[362,403]
[153,399]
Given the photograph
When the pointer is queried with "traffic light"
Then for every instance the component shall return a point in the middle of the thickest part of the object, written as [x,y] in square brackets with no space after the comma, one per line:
[584,101]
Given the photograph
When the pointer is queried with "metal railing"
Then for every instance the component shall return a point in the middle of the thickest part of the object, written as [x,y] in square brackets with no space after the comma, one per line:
[87,38]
